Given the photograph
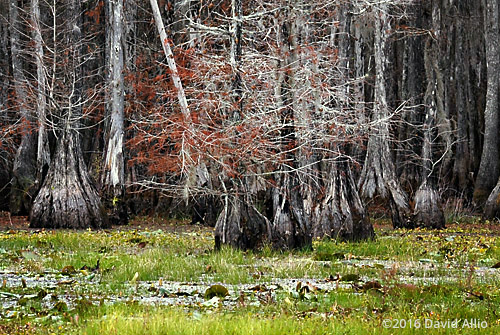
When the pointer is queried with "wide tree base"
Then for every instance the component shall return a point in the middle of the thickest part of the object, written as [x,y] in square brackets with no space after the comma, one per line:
[67,198]
[492,206]
[290,226]
[341,214]
[428,213]
[240,225]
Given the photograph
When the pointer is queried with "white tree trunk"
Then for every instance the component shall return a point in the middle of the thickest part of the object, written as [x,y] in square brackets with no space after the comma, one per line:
[171,61]
[114,163]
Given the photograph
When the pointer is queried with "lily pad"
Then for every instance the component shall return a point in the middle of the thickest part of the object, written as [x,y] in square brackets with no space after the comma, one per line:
[371,285]
[68,270]
[350,277]
[216,291]
[213,302]
[30,255]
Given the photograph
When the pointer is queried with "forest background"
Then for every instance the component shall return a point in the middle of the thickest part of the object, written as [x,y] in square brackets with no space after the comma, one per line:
[274,121]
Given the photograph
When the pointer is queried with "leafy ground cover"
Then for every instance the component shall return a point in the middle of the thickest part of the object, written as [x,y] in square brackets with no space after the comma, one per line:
[165,278]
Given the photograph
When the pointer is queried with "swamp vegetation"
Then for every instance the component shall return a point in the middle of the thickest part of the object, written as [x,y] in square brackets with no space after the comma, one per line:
[165,278]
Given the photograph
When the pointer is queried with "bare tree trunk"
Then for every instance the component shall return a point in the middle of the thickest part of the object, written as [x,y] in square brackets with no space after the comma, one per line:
[170,60]
[490,149]
[464,47]
[290,225]
[68,199]
[489,169]
[232,222]
[427,211]
[43,151]
[24,169]
[239,224]
[379,173]
[443,117]
[5,153]
[411,88]
[189,167]
[114,164]
[337,210]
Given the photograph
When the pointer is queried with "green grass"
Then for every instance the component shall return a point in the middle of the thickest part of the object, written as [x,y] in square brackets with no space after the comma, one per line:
[421,275]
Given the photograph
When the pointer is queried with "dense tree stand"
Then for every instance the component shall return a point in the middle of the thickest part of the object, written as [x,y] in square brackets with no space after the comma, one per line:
[67,199]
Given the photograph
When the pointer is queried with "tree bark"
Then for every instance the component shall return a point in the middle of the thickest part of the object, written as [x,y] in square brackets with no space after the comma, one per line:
[239,224]
[465,75]
[24,168]
[379,173]
[492,205]
[114,163]
[337,211]
[43,151]
[411,87]
[489,169]
[427,210]
[340,213]
[290,226]
[68,199]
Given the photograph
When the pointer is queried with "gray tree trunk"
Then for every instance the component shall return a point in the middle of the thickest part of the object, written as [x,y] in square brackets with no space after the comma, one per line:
[492,205]
[379,173]
[489,169]
[23,185]
[464,97]
[427,210]
[5,155]
[239,224]
[337,211]
[411,87]
[43,151]
[68,198]
[290,225]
